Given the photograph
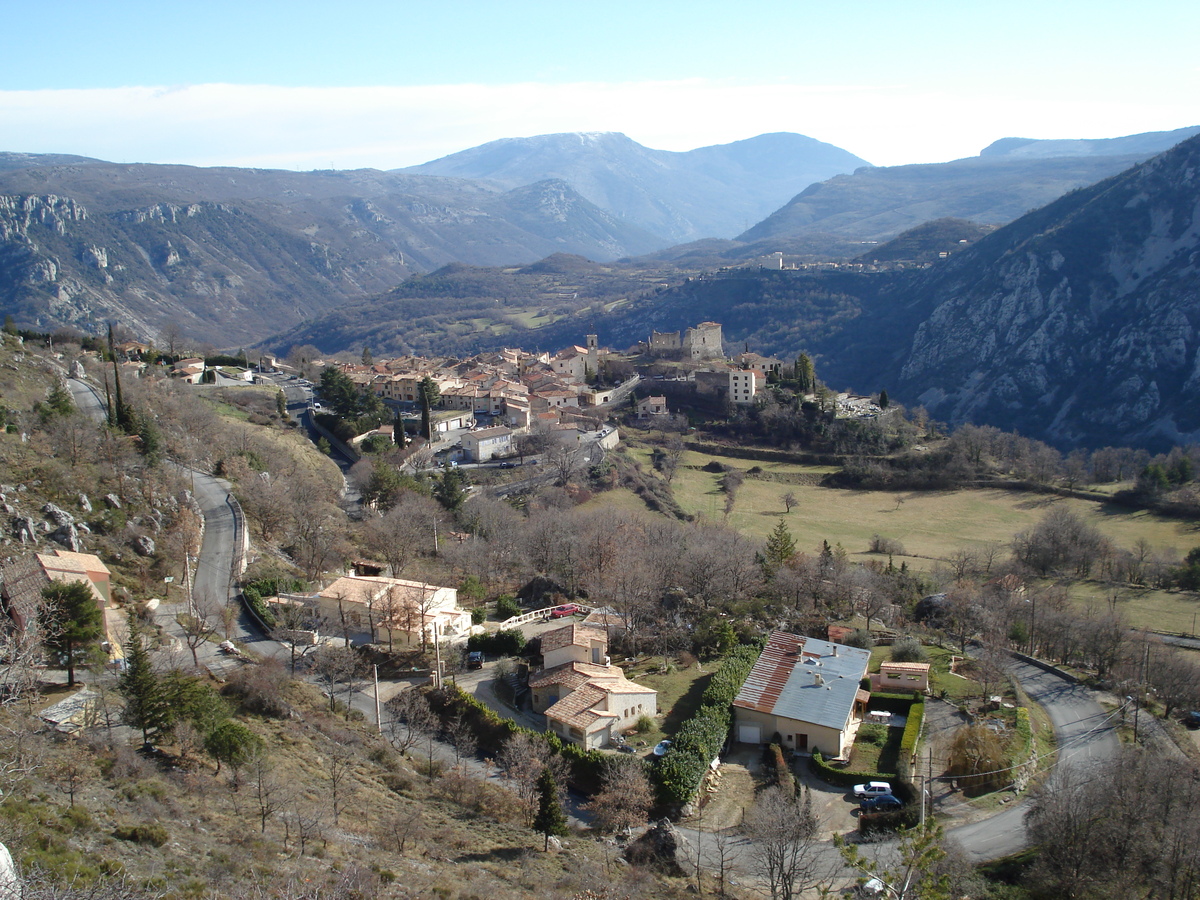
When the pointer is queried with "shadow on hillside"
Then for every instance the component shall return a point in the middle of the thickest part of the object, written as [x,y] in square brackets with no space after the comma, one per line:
[500,854]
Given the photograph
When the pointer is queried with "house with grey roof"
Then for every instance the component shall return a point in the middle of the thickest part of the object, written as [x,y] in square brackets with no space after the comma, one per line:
[808,692]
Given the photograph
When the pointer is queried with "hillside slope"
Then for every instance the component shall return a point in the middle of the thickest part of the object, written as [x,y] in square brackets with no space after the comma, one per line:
[1080,322]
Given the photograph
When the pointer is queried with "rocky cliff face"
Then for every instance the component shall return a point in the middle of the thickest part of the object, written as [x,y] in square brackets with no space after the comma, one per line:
[233,255]
[1079,322]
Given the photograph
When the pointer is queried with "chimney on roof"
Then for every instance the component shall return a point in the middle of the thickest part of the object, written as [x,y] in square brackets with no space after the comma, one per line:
[817,679]
[835,649]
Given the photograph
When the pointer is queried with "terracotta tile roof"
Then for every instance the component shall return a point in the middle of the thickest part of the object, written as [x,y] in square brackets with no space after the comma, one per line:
[576,709]
[904,667]
[22,583]
[571,675]
[578,634]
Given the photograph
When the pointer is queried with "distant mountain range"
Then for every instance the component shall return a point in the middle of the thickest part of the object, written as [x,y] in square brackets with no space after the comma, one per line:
[1009,178]
[234,256]
[1079,323]
[704,193]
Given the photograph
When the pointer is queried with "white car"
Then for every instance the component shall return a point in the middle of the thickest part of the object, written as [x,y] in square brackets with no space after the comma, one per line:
[872,789]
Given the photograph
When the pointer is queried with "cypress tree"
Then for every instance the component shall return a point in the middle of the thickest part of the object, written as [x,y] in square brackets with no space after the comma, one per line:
[550,819]
[398,436]
[146,704]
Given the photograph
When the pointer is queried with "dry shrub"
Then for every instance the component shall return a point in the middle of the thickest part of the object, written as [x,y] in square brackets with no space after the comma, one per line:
[260,689]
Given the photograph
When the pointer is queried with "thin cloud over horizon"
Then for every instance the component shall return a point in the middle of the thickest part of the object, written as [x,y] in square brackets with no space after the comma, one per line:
[267,126]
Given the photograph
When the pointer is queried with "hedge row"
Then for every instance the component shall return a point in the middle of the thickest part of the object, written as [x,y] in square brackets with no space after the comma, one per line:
[505,642]
[258,606]
[908,743]
[256,592]
[723,687]
[912,730]
[776,760]
[492,730]
[843,777]
[700,738]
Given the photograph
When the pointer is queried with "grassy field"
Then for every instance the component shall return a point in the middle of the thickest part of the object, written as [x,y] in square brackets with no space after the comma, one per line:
[1143,607]
[931,525]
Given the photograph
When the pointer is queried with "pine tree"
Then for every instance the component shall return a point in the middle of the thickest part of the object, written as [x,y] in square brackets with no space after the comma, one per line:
[72,624]
[781,547]
[883,400]
[549,819]
[147,706]
[60,400]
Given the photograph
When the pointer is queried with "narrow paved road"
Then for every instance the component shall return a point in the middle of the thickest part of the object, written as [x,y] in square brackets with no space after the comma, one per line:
[1086,735]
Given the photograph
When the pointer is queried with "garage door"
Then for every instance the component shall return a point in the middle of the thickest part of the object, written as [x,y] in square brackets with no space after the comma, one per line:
[750,734]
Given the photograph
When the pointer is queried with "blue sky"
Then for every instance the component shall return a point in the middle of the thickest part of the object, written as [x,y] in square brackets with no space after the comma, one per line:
[308,85]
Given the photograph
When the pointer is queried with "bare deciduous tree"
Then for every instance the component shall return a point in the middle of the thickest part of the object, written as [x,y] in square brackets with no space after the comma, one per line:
[412,719]
[785,832]
[624,797]
[267,788]
[338,768]
[523,758]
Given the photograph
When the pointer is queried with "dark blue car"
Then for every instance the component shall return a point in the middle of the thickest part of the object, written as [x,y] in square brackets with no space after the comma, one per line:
[882,803]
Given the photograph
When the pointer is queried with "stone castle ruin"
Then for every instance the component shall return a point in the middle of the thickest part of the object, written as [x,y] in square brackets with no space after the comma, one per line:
[704,341]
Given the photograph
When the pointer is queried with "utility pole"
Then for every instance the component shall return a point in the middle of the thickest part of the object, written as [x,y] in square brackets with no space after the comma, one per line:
[1032,621]
[187,580]
[437,651]
[378,717]
[928,788]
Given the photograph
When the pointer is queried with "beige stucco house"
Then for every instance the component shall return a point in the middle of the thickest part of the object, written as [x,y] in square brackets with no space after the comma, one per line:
[386,608]
[805,690]
[585,699]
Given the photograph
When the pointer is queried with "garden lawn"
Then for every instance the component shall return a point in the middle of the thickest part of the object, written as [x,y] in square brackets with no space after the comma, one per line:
[868,756]
[679,694]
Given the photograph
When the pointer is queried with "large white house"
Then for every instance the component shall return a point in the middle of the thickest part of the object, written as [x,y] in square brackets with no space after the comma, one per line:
[487,443]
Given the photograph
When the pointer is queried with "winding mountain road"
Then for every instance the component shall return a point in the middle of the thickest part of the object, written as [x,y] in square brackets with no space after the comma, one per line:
[1085,734]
